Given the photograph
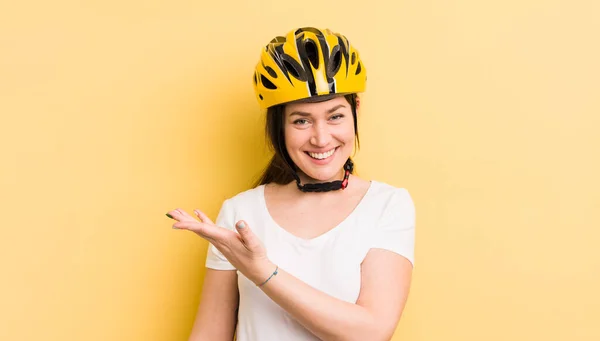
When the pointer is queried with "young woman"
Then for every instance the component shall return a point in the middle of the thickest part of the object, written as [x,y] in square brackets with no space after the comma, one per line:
[313,252]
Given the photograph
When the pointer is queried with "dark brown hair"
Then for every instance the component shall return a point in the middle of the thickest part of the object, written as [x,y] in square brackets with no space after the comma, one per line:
[279,169]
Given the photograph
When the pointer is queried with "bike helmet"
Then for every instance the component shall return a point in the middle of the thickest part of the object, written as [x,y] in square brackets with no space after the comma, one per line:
[307,63]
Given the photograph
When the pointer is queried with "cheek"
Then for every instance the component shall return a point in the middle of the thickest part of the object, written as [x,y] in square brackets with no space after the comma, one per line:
[346,133]
[294,138]
[349,136]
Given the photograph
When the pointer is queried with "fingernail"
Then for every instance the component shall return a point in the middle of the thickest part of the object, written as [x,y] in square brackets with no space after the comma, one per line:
[241,225]
[168,215]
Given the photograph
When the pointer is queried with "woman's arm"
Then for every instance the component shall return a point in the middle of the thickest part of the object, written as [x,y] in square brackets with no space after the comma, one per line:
[385,285]
[217,314]
[384,288]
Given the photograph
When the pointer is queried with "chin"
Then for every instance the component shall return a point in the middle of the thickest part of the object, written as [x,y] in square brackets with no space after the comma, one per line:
[326,173]
[323,176]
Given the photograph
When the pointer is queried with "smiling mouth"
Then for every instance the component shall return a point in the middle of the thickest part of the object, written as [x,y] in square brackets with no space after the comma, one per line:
[321,156]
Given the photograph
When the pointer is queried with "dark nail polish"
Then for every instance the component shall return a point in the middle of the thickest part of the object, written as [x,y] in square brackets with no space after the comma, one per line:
[168,215]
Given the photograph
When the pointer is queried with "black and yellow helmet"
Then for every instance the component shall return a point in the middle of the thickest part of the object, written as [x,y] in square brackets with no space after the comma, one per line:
[308,62]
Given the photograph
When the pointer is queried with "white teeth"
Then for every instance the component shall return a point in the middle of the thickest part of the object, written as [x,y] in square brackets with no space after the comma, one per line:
[322,156]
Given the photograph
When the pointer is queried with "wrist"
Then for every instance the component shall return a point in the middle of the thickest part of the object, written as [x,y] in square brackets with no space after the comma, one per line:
[263,271]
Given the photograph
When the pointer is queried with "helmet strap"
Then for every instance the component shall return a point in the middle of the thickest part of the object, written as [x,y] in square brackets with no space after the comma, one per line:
[327,186]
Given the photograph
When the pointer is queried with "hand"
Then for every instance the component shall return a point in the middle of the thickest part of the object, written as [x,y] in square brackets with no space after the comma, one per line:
[242,249]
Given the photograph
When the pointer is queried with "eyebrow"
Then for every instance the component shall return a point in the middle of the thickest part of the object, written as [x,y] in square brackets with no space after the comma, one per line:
[305,114]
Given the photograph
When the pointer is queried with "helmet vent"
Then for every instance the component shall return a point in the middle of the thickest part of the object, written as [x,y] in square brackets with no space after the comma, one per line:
[358,69]
[271,72]
[267,83]
[335,62]
[294,68]
[312,53]
[353,58]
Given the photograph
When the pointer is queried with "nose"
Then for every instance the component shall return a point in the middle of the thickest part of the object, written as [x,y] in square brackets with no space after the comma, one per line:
[321,136]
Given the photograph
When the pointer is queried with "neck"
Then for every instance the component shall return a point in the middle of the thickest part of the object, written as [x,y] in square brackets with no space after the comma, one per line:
[305,179]
[328,185]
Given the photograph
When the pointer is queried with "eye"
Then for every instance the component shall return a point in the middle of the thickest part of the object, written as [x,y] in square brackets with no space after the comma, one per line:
[336,117]
[300,121]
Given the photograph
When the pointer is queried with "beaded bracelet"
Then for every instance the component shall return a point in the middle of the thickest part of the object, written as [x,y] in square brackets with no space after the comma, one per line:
[273,274]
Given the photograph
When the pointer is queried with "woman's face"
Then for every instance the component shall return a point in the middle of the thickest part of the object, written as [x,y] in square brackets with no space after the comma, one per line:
[319,137]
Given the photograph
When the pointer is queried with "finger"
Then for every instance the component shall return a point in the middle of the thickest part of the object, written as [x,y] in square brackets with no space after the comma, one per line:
[248,237]
[174,214]
[203,217]
[203,230]
[180,215]
[185,214]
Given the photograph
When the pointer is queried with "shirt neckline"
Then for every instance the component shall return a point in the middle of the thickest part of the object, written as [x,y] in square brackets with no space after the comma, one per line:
[324,236]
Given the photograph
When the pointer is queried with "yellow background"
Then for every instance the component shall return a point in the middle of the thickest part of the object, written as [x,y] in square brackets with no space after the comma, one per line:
[113,112]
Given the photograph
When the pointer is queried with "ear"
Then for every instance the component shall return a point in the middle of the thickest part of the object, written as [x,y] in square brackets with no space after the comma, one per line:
[357,102]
